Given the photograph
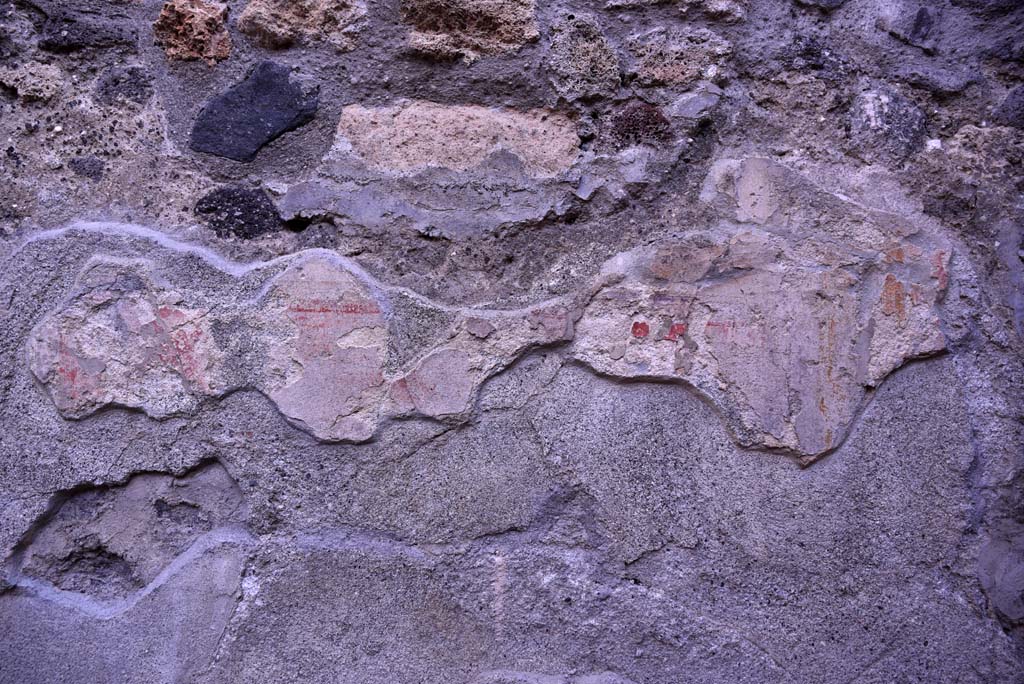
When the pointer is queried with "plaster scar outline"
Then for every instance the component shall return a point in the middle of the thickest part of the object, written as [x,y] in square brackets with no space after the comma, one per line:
[784,347]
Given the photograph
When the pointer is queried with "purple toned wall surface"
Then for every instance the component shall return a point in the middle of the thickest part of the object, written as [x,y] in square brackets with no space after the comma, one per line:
[512,341]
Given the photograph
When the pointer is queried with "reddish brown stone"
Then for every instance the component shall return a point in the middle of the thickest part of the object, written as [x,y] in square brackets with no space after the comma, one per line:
[193,29]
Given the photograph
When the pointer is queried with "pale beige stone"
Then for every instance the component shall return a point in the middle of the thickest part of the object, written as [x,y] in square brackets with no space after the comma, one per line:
[413,136]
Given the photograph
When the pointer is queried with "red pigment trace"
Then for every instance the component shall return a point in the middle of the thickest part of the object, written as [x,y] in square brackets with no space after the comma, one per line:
[939,271]
[332,308]
[675,331]
[719,325]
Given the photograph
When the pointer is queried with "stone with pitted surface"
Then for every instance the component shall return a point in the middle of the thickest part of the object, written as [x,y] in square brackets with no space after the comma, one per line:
[448,29]
[283,23]
[193,29]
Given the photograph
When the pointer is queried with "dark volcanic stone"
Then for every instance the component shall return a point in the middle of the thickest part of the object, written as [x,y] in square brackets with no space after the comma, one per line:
[124,83]
[990,7]
[885,123]
[810,53]
[240,212]
[87,166]
[239,122]
[827,5]
[8,48]
[1011,111]
[66,32]
[937,79]
[915,26]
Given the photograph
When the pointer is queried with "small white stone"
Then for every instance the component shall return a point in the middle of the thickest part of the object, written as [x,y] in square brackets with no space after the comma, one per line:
[58,128]
[933,144]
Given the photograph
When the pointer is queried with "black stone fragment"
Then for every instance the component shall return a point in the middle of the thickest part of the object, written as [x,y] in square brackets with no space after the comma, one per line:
[1008,50]
[1011,111]
[827,5]
[239,212]
[920,27]
[914,26]
[124,84]
[66,32]
[8,48]
[87,166]
[239,122]
[953,201]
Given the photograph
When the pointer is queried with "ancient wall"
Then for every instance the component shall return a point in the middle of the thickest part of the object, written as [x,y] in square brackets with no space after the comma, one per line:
[511,341]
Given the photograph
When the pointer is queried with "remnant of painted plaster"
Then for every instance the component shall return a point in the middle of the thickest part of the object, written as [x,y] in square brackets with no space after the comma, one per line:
[122,339]
[785,347]
[315,342]
[784,333]
[324,359]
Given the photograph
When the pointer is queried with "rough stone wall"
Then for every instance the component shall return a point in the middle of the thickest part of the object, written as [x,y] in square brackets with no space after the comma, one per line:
[512,341]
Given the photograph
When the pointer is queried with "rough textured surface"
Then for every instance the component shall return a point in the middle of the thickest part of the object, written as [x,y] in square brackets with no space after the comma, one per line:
[662,58]
[424,135]
[239,211]
[581,62]
[447,29]
[82,26]
[283,23]
[193,29]
[1011,110]
[509,342]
